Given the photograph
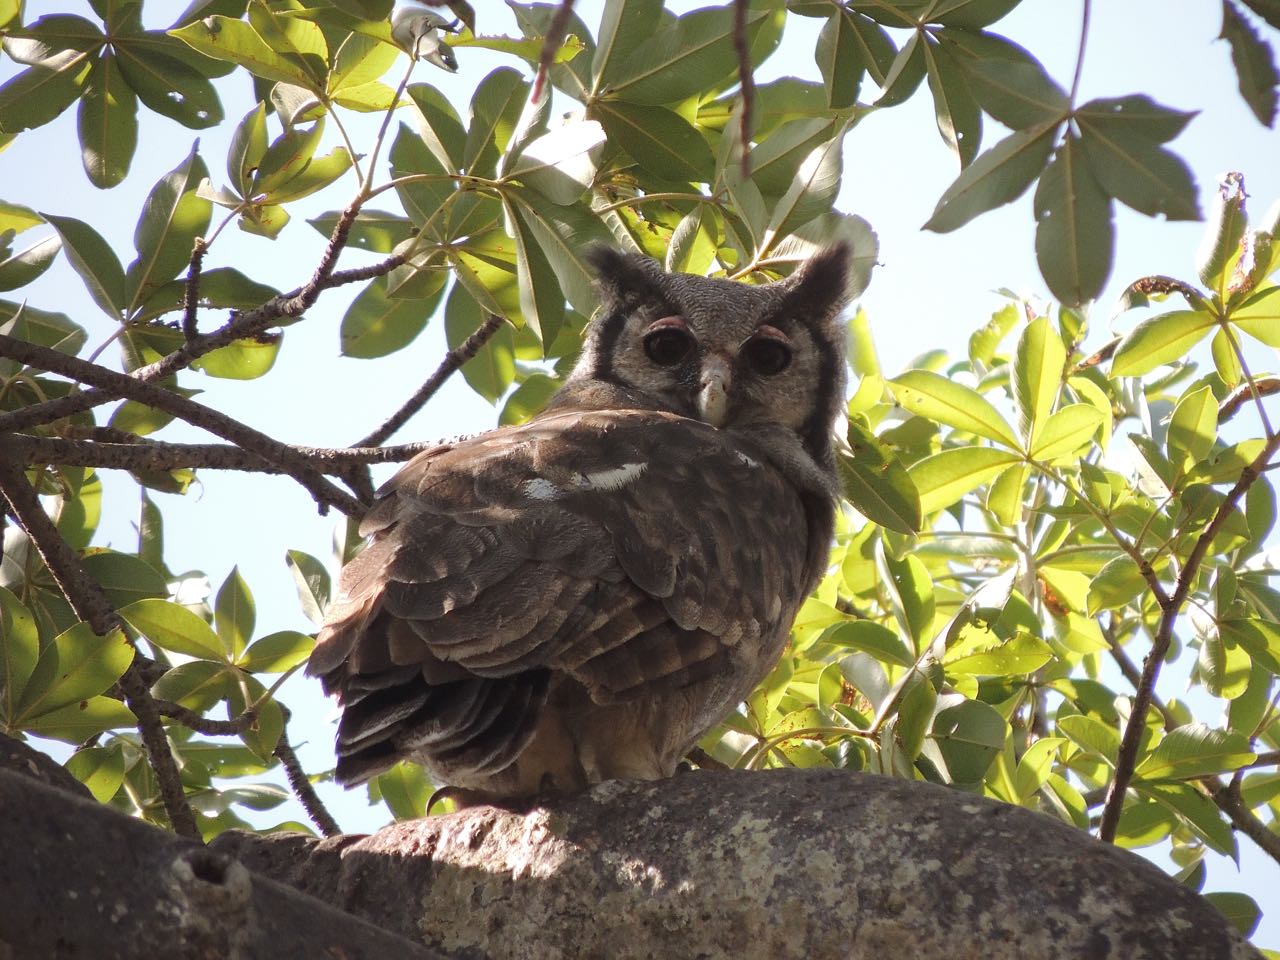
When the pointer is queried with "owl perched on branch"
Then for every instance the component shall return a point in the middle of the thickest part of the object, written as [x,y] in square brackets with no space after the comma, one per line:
[580,598]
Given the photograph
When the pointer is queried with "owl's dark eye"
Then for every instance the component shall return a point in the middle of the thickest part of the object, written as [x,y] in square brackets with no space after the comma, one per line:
[768,352]
[668,342]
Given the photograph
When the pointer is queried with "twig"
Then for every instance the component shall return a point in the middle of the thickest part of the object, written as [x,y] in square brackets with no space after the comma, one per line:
[144,454]
[550,44]
[1266,385]
[301,786]
[219,424]
[745,80]
[1250,382]
[92,606]
[452,361]
[1170,608]
[191,296]
[239,327]
[1101,355]
[1084,37]
[1227,797]
[206,725]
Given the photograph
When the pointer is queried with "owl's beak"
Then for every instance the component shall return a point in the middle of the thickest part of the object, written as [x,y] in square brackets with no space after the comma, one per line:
[713,390]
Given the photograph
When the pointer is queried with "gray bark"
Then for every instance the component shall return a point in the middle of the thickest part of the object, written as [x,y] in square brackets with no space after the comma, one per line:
[791,864]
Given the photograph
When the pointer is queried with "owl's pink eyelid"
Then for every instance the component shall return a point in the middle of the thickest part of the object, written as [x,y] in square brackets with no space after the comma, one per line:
[668,323]
[766,332]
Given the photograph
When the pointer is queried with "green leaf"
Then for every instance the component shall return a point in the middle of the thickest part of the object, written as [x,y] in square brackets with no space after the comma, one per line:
[405,790]
[1196,750]
[1224,229]
[1067,430]
[681,57]
[1194,809]
[312,581]
[915,711]
[996,177]
[40,93]
[813,189]
[528,399]
[21,268]
[1193,428]
[1004,496]
[529,49]
[263,736]
[1227,464]
[241,359]
[662,142]
[108,124]
[541,302]
[248,146]
[1007,81]
[94,261]
[438,126]
[1255,64]
[878,486]
[1115,585]
[225,38]
[123,576]
[574,75]
[77,665]
[931,395]
[1139,114]
[945,477]
[1240,909]
[873,638]
[910,589]
[1019,655]
[174,628]
[374,230]
[1075,236]
[1038,366]
[169,86]
[969,736]
[277,652]
[1260,637]
[1036,765]
[233,614]
[198,684]
[172,217]
[561,164]
[956,112]
[377,324]
[1259,316]
[360,60]
[495,111]
[824,230]
[19,652]
[563,234]
[1225,668]
[81,721]
[491,370]
[1092,735]
[101,769]
[1161,339]
[1135,170]
[905,73]
[840,55]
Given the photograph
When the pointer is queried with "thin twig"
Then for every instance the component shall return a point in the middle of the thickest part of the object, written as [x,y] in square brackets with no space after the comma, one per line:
[1267,385]
[196,414]
[1170,609]
[745,80]
[452,361]
[301,786]
[206,725]
[550,44]
[191,295]
[239,327]
[91,605]
[146,454]
[1250,382]
[1084,37]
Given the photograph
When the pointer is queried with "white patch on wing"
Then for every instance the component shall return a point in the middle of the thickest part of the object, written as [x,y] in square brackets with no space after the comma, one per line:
[540,488]
[612,479]
[747,460]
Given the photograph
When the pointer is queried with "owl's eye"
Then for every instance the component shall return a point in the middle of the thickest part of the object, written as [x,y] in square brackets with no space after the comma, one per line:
[668,342]
[768,352]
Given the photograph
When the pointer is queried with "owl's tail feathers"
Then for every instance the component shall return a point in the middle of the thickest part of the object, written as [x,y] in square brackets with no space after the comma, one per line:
[345,625]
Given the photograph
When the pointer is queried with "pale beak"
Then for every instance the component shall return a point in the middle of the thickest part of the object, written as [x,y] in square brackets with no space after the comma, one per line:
[713,390]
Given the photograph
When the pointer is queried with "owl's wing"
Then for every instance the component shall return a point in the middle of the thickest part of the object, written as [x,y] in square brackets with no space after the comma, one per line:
[631,550]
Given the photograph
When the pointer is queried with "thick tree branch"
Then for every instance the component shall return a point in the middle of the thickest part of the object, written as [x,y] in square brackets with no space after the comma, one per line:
[1170,609]
[196,414]
[453,360]
[91,605]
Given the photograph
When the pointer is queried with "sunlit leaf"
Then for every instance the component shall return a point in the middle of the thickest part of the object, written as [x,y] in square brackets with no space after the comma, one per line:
[931,395]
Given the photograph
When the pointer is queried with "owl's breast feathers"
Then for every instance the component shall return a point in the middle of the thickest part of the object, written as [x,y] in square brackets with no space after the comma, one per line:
[529,588]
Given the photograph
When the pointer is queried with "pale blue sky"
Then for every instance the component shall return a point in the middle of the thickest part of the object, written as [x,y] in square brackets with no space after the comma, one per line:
[930,291]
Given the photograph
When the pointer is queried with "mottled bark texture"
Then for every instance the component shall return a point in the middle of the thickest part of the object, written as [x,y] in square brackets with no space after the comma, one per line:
[80,880]
[802,863]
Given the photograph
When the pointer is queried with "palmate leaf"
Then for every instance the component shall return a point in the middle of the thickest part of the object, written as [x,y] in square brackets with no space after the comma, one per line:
[1007,81]
[1075,235]
[876,484]
[996,177]
[1132,167]
[661,142]
[377,324]
[932,395]
[1255,64]
[94,261]
[233,40]
[955,110]
[108,124]
[491,371]
[945,477]
[172,217]
[1158,340]
[1039,363]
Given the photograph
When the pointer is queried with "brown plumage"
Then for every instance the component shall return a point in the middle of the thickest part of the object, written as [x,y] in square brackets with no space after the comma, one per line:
[582,597]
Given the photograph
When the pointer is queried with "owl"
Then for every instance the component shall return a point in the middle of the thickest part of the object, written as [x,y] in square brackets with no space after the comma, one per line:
[580,598]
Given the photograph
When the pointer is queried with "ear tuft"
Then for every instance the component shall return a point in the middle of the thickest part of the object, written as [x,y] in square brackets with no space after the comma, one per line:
[619,274]
[819,286]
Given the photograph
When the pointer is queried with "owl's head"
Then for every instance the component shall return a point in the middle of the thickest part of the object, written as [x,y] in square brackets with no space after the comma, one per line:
[730,354]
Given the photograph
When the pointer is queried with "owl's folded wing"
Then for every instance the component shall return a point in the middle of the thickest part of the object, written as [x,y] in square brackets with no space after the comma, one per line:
[631,550]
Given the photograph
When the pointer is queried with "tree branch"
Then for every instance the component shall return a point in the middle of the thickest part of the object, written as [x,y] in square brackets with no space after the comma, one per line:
[91,605]
[745,80]
[300,783]
[193,413]
[1170,609]
[143,454]
[550,44]
[453,360]
[1227,797]
[191,296]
